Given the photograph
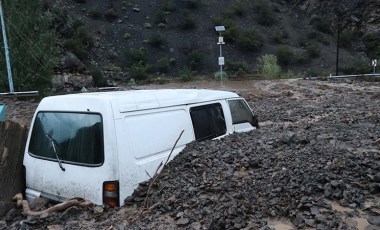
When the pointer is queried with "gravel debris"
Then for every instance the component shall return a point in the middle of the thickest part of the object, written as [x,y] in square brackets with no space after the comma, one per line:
[314,163]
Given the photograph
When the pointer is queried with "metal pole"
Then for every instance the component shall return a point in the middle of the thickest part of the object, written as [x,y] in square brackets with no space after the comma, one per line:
[337,48]
[10,80]
[221,66]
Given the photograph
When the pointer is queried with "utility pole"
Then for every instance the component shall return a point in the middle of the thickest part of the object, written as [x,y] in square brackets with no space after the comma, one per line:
[6,48]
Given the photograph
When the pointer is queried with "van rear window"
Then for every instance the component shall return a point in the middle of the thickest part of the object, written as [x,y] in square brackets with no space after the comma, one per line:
[240,112]
[208,121]
[68,137]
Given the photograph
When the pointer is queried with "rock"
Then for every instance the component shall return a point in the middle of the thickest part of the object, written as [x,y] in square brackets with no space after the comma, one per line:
[71,62]
[194,225]
[182,222]
[72,211]
[352,205]
[375,220]
[98,210]
[136,9]
[377,177]
[147,25]
[74,81]
[5,207]
[55,227]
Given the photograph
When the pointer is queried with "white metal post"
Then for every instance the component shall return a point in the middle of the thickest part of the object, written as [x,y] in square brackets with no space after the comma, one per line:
[221,55]
[374,64]
[6,48]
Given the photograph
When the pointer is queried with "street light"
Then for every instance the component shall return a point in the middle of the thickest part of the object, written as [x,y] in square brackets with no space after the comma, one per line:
[220,29]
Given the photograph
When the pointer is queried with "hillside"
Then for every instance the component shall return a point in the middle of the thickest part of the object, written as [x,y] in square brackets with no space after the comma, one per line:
[162,37]
[123,39]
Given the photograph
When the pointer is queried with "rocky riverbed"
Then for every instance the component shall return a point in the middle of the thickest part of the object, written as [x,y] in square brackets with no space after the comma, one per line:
[313,164]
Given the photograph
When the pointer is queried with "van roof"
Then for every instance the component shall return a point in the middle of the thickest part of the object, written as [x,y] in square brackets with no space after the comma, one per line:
[147,99]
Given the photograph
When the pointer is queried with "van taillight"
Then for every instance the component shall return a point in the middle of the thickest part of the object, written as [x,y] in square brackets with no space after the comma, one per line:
[111,193]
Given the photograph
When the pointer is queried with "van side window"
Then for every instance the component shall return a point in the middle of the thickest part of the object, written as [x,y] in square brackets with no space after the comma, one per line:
[72,137]
[240,112]
[208,121]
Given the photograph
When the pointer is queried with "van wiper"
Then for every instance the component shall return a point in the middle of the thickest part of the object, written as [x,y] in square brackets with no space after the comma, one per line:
[54,144]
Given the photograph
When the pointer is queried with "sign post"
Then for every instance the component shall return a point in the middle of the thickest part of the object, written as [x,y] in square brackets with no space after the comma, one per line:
[374,64]
[220,43]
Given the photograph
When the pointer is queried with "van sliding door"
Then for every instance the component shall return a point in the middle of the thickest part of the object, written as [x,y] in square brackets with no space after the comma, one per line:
[208,121]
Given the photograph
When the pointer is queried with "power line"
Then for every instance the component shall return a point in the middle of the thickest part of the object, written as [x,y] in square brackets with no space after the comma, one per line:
[24,40]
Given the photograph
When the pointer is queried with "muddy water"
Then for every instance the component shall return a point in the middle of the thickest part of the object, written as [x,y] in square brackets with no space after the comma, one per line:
[240,86]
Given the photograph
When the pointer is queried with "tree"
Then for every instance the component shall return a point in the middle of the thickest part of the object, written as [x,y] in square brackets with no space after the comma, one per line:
[32,45]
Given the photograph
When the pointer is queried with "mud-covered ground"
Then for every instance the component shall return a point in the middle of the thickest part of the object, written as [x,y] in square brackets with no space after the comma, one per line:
[313,164]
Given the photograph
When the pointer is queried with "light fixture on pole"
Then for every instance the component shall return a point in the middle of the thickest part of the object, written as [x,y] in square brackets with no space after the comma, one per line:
[220,29]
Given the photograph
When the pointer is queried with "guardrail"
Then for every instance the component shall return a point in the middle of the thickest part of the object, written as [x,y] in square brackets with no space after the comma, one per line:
[340,76]
[20,94]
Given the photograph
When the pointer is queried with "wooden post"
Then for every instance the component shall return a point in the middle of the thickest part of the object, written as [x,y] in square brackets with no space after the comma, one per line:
[12,178]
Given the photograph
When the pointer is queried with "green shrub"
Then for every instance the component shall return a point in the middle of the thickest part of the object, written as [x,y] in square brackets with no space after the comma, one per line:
[279,36]
[136,56]
[156,40]
[192,4]
[321,24]
[195,59]
[34,54]
[284,55]
[161,17]
[236,66]
[313,49]
[220,76]
[138,71]
[234,10]
[288,75]
[163,65]
[264,14]
[249,40]
[316,72]
[85,36]
[81,40]
[147,25]
[372,44]
[358,67]
[97,75]
[168,6]
[187,22]
[127,35]
[95,12]
[301,57]
[186,74]
[76,47]
[313,35]
[268,66]
[345,38]
[111,15]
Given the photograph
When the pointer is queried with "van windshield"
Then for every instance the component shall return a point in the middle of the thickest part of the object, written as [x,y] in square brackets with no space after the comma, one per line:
[240,112]
[68,137]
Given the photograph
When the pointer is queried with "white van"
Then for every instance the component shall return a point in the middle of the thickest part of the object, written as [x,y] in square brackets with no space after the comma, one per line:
[100,146]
